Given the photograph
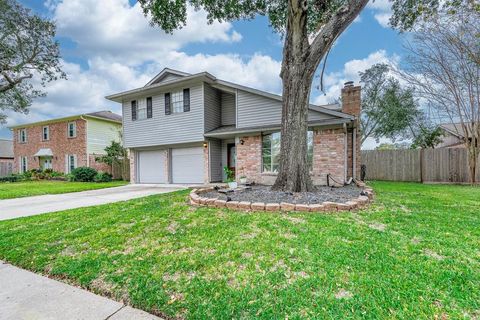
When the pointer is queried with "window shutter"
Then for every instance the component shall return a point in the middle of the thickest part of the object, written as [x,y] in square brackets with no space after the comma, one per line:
[186,100]
[167,104]
[149,107]
[134,110]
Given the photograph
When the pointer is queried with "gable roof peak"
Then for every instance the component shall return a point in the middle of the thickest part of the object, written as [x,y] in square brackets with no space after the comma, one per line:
[166,71]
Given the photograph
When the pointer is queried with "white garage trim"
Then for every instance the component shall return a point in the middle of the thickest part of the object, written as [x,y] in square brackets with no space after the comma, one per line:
[188,165]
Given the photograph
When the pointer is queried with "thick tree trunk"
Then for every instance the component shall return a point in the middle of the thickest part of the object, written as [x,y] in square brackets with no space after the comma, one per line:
[297,75]
[473,153]
[300,60]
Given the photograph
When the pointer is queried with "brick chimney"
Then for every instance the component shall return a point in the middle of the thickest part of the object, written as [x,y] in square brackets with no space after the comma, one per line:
[351,104]
[351,99]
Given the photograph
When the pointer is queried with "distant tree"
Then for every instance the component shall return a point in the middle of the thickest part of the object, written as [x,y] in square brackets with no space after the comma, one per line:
[427,137]
[393,146]
[444,67]
[27,50]
[388,110]
[309,29]
[115,154]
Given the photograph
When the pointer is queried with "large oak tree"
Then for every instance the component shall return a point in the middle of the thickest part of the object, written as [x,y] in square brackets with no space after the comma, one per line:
[28,50]
[309,29]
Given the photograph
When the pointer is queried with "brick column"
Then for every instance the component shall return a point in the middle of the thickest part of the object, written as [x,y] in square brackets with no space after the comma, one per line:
[249,158]
[132,157]
[206,163]
[351,104]
[328,155]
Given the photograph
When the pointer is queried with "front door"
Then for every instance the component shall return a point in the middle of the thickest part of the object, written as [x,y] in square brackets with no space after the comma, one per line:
[46,163]
[231,156]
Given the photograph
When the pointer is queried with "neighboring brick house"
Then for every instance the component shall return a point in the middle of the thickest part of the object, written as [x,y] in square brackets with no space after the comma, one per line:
[184,128]
[6,157]
[66,143]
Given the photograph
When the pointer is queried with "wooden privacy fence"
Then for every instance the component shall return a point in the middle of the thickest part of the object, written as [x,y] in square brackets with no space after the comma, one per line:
[428,165]
[6,168]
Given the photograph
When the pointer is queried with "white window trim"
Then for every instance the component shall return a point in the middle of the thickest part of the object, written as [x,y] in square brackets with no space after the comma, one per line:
[74,130]
[178,102]
[43,133]
[24,130]
[22,161]
[68,163]
[141,109]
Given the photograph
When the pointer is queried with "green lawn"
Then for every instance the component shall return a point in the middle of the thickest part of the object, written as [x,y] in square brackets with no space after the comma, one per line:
[415,254]
[36,188]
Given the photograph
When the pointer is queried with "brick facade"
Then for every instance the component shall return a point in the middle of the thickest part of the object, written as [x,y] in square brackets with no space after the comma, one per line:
[133,169]
[328,155]
[249,159]
[59,143]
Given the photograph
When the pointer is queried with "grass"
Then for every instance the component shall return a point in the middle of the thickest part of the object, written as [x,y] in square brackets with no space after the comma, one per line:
[36,188]
[414,254]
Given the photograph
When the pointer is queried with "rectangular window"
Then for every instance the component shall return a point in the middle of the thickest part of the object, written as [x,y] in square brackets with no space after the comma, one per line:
[72,129]
[23,164]
[177,101]
[271,151]
[141,112]
[45,133]
[71,162]
[22,135]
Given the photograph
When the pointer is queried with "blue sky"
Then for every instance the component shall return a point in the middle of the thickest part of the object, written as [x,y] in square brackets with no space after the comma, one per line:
[107,46]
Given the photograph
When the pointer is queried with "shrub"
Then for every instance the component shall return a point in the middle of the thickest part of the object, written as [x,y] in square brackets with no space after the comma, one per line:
[83,174]
[11,178]
[102,177]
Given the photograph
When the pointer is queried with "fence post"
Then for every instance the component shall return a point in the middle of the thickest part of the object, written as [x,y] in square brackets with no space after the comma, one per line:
[421,164]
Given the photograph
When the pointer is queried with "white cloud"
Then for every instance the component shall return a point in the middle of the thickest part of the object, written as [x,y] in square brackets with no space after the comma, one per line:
[334,81]
[383,11]
[120,32]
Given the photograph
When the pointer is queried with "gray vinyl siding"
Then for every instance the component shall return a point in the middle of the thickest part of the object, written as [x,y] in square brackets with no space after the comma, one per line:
[213,117]
[164,129]
[167,78]
[255,110]
[228,109]
[216,168]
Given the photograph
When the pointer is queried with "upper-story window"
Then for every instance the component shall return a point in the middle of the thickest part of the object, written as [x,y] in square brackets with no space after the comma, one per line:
[142,109]
[71,129]
[177,102]
[22,135]
[45,133]
[271,151]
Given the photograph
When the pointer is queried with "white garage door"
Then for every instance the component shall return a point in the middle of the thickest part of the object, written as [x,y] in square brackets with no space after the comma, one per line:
[151,166]
[187,165]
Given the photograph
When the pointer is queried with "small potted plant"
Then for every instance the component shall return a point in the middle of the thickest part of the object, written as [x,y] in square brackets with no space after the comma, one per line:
[232,184]
[243,179]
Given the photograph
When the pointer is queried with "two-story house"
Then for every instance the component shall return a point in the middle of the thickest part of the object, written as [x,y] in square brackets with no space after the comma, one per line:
[65,143]
[184,128]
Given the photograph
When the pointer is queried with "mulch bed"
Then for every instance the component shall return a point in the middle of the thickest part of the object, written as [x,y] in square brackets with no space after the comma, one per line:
[265,194]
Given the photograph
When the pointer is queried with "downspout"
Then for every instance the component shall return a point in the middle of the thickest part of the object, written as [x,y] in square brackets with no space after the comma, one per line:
[345,164]
[354,153]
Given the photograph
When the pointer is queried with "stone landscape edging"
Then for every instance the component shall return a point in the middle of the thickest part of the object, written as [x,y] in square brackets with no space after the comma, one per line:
[360,202]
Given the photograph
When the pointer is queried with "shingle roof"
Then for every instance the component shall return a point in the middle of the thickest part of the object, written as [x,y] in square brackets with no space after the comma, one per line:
[6,148]
[109,115]
[455,129]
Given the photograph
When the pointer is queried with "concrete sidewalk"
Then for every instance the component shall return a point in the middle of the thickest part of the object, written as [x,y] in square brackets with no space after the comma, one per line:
[29,206]
[26,295]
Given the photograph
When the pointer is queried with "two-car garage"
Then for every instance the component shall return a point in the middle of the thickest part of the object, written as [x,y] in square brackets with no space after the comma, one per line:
[177,165]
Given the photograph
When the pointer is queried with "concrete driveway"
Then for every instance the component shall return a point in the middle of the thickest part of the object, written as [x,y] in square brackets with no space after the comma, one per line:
[30,206]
